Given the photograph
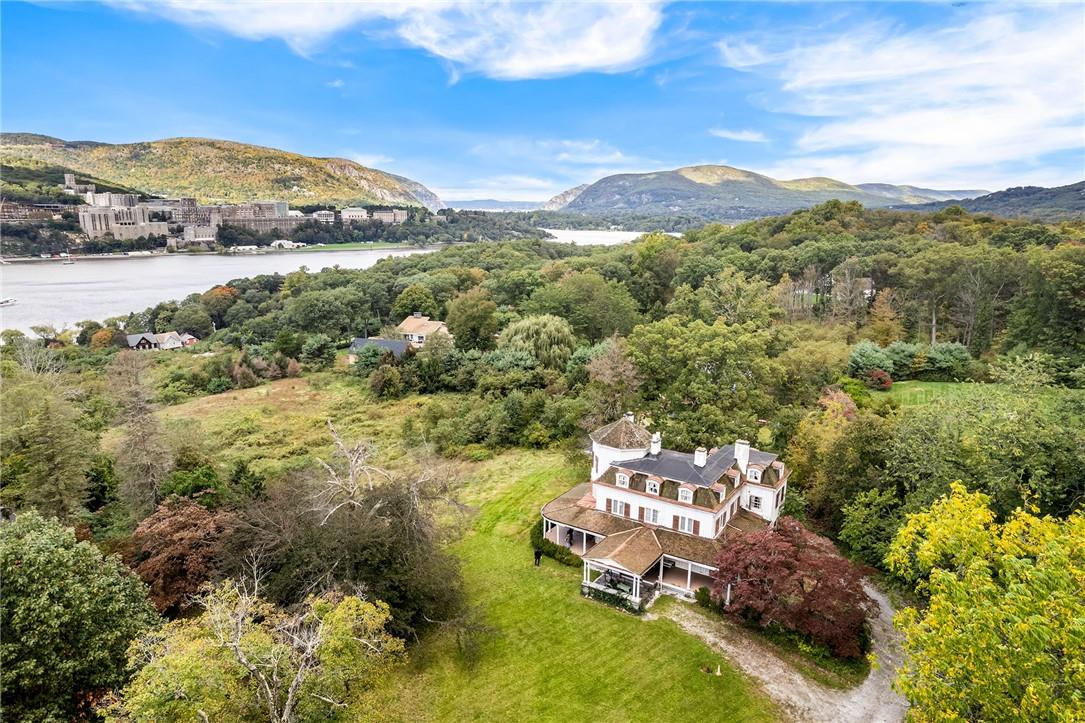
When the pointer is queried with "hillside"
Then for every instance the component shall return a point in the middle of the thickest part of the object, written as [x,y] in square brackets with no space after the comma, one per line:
[216,171]
[564,198]
[1035,202]
[724,192]
[31,181]
[493,204]
[914,194]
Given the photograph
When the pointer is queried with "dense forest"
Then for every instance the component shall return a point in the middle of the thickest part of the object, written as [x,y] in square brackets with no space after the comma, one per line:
[922,374]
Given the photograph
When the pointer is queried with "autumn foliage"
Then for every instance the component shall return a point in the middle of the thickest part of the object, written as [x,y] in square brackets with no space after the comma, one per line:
[177,549]
[790,577]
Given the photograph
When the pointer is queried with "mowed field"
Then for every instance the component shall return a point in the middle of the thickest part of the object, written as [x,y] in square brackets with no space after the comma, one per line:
[915,393]
[554,656]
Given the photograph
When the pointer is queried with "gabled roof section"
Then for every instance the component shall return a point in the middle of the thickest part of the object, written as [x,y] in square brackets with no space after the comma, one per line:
[420,325]
[678,466]
[134,339]
[635,550]
[398,347]
[623,434]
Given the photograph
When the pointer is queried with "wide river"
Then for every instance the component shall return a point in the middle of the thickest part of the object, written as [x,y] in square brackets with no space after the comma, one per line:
[49,292]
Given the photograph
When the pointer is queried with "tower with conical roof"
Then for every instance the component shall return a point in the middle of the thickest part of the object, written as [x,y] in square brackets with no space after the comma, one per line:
[617,442]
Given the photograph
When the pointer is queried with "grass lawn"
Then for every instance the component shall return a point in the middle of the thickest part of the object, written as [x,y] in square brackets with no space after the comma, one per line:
[558,656]
[353,246]
[913,393]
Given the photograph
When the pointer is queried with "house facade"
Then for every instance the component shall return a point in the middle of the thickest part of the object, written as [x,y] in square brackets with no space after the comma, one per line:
[652,519]
[416,328]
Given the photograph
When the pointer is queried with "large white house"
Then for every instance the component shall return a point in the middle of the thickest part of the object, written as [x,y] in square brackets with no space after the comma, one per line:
[652,519]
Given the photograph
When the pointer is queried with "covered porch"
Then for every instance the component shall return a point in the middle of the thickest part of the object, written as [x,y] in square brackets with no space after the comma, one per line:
[577,540]
[617,581]
[680,577]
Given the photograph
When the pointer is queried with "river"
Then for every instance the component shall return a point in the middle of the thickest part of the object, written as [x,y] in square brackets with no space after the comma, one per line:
[49,292]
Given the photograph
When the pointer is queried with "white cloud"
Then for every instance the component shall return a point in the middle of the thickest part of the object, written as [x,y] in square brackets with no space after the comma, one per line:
[742,136]
[502,187]
[506,40]
[370,160]
[976,103]
[337,83]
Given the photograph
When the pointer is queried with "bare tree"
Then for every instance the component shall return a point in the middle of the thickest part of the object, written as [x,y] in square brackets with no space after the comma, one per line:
[349,478]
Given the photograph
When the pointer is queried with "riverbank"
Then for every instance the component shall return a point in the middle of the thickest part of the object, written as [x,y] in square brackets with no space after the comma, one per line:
[265,250]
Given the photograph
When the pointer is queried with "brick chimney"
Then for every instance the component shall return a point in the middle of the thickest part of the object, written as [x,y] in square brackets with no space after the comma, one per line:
[628,417]
[700,457]
[742,454]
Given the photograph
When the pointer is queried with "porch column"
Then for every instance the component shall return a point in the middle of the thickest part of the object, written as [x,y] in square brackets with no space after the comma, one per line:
[689,576]
[587,571]
[636,588]
[583,542]
[661,573]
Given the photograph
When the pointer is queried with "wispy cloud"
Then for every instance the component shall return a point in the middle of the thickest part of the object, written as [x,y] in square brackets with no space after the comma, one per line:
[506,40]
[504,187]
[371,160]
[978,101]
[337,83]
[742,136]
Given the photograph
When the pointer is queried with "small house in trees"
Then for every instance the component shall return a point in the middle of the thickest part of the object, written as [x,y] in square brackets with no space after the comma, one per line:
[653,520]
[416,328]
[142,342]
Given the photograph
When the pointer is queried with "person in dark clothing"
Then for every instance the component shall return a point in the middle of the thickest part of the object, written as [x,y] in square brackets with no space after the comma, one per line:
[538,556]
[569,538]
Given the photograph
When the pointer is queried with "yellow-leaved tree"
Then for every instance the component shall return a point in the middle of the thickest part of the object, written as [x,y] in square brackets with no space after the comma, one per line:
[1002,636]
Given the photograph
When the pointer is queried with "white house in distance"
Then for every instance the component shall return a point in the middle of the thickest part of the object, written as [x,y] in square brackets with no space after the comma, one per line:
[654,520]
[416,328]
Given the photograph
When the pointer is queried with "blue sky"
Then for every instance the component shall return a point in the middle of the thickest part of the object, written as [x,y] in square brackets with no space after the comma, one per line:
[522,100]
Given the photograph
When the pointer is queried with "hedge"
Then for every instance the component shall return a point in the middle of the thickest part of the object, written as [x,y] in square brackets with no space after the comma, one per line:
[557,552]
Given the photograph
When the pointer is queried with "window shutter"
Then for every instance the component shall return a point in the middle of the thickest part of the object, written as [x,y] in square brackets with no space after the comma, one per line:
[609,501]
[696,527]
[628,511]
[674,522]
[640,514]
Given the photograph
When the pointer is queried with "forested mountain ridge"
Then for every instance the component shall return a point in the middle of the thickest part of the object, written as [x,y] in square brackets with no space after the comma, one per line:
[217,171]
[723,192]
[1044,204]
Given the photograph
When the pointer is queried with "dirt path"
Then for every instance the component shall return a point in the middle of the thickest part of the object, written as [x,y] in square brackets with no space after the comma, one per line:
[873,700]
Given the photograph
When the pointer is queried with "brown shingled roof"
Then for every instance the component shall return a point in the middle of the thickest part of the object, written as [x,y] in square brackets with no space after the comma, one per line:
[623,434]
[636,550]
[571,509]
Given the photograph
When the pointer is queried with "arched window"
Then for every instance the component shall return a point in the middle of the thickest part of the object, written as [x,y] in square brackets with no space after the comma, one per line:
[653,487]
[622,479]
[685,495]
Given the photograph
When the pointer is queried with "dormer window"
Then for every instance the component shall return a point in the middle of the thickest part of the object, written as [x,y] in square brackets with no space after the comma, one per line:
[685,495]
[652,487]
[754,475]
[622,479]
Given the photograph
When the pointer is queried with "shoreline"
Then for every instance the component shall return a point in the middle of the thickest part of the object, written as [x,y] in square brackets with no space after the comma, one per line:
[4,260]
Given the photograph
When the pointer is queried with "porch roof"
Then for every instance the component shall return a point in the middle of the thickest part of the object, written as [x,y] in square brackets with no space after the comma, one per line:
[576,508]
[633,550]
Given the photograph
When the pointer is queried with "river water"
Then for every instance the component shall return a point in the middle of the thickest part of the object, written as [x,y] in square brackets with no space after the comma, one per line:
[49,292]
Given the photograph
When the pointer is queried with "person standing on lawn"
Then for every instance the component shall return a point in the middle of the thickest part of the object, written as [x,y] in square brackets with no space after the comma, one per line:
[538,556]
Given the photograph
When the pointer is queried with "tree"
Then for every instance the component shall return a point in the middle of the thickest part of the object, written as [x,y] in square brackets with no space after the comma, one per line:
[1000,637]
[548,338]
[318,351]
[613,383]
[143,451]
[594,307]
[177,549]
[472,320]
[883,324]
[245,659]
[193,319]
[415,298]
[57,456]
[68,615]
[790,577]
[867,356]
[731,296]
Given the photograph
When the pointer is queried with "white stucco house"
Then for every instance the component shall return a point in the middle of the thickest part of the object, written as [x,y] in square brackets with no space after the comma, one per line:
[652,519]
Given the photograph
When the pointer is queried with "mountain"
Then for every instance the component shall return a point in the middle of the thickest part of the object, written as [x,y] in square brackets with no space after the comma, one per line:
[914,194]
[492,204]
[30,181]
[564,198]
[216,171]
[1035,202]
[724,192]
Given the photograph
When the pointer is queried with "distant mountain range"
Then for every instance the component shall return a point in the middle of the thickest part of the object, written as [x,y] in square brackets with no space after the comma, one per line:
[1042,204]
[725,192]
[216,171]
[492,204]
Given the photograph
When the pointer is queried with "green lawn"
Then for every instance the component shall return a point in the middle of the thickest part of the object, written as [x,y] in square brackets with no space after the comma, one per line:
[558,656]
[354,246]
[914,393]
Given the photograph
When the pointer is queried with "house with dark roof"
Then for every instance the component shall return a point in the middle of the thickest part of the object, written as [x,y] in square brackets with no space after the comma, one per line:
[653,520]
[142,342]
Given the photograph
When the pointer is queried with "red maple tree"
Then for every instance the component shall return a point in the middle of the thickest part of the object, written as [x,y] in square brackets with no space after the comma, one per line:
[790,577]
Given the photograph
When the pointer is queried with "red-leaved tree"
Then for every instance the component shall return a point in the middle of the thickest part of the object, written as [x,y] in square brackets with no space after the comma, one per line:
[179,548]
[791,577]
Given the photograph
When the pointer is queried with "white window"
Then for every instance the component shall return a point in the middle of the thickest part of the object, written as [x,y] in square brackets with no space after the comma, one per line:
[652,487]
[618,507]
[685,495]
[651,516]
[622,479]
[754,475]
[755,503]
[421,337]
[685,524]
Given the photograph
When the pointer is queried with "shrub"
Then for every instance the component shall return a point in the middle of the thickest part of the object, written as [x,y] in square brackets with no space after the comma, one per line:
[867,356]
[879,379]
[561,554]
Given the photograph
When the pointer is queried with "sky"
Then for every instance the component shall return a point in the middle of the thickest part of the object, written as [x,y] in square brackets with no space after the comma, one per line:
[520,101]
